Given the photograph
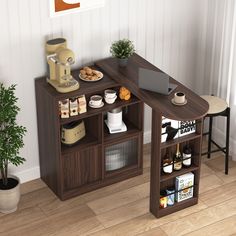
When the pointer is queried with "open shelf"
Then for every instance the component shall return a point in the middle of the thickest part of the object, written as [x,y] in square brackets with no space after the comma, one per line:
[177,206]
[131,131]
[84,143]
[182,139]
[121,170]
[96,111]
[175,173]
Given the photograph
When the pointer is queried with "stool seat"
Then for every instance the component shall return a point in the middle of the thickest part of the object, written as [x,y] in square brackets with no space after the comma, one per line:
[218,107]
[216,104]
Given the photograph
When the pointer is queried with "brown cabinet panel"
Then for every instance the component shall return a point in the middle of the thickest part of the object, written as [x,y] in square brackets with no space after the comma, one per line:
[81,168]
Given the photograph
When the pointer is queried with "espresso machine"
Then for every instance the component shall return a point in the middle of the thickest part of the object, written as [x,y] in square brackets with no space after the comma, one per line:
[60,59]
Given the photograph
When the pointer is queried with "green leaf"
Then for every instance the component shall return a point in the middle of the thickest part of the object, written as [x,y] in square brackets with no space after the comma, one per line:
[122,49]
[11,134]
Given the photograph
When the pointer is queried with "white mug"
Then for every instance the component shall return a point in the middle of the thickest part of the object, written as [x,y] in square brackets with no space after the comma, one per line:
[110,93]
[179,97]
[110,100]
[96,100]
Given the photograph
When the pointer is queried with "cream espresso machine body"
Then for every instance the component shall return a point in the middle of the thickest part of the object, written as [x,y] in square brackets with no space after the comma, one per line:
[60,59]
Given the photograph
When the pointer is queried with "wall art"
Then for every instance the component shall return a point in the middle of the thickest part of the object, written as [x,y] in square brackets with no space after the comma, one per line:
[61,7]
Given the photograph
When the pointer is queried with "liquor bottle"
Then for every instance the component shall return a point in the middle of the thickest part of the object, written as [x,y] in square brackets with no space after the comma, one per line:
[167,163]
[177,159]
[187,154]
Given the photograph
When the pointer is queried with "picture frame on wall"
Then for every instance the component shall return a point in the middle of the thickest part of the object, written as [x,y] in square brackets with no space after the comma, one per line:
[62,7]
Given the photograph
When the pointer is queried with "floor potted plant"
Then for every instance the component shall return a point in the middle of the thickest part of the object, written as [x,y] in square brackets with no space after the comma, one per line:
[122,50]
[11,140]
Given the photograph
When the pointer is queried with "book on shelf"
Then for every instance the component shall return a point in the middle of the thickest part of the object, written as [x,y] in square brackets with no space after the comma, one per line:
[184,186]
[172,129]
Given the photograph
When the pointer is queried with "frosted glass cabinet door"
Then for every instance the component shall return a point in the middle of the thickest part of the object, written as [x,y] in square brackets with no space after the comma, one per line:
[121,155]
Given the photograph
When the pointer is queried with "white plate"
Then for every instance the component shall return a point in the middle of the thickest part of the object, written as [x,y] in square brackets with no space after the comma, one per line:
[87,80]
[179,104]
[101,105]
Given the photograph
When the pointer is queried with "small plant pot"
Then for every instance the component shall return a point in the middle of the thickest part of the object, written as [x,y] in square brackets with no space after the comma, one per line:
[123,62]
[9,198]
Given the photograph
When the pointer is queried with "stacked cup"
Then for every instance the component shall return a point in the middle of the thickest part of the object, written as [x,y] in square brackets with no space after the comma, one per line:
[110,96]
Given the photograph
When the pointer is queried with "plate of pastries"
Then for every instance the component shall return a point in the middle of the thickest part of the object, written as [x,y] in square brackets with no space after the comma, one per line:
[90,75]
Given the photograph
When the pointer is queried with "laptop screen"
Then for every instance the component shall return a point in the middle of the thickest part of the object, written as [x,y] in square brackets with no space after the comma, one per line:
[155,81]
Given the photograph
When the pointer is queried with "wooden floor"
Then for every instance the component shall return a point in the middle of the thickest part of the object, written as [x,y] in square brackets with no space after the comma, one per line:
[122,209]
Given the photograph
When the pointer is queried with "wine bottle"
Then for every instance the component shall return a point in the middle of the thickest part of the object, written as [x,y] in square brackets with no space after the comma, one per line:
[187,154]
[177,159]
[167,163]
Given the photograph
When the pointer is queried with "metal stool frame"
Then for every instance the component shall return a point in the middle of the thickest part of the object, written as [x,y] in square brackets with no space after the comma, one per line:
[225,150]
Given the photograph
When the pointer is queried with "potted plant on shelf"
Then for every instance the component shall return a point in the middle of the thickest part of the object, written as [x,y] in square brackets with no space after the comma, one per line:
[11,140]
[122,49]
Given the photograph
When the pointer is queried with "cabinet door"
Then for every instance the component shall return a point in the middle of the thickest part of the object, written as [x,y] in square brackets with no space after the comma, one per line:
[82,167]
[123,155]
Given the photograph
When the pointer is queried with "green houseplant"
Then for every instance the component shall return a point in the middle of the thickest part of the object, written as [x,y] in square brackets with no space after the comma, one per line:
[11,140]
[122,49]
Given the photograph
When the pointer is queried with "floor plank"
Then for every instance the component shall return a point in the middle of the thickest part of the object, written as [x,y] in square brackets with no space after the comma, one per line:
[124,213]
[200,219]
[146,222]
[224,227]
[209,182]
[220,194]
[123,208]
[20,218]
[52,225]
[120,199]
[154,232]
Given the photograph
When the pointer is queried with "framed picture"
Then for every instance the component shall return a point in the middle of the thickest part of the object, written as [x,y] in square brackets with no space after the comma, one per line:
[62,7]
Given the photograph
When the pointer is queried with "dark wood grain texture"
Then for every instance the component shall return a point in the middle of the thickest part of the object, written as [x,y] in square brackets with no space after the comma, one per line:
[155,163]
[195,108]
[48,138]
[70,171]
[73,170]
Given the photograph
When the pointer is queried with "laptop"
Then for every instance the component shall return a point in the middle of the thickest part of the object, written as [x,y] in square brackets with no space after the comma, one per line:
[155,81]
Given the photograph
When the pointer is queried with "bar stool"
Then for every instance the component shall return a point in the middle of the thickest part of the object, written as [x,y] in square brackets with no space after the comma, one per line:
[218,107]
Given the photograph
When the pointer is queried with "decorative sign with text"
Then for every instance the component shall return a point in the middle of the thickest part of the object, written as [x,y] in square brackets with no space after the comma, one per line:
[61,7]
[172,129]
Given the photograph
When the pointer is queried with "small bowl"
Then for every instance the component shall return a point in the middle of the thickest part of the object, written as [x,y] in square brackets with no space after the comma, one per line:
[110,100]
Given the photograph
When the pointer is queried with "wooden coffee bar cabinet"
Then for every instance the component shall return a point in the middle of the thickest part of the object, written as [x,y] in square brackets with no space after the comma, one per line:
[73,170]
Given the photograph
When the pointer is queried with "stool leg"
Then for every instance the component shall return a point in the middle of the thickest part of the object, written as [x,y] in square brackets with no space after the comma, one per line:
[209,137]
[227,142]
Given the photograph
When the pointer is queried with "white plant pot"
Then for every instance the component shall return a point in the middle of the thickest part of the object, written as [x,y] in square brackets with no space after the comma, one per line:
[10,198]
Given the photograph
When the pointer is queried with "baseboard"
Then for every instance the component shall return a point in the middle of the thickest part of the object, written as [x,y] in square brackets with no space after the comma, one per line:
[28,175]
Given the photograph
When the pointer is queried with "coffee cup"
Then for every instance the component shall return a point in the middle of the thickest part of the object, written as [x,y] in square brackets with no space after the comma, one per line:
[96,100]
[109,93]
[179,97]
[110,100]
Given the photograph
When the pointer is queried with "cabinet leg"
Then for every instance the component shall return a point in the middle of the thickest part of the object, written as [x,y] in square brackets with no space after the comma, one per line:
[155,162]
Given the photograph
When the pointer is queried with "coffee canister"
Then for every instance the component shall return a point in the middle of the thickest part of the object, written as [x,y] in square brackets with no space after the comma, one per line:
[170,196]
[163,199]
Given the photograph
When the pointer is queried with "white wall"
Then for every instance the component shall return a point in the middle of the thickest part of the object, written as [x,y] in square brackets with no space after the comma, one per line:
[215,63]
[168,33]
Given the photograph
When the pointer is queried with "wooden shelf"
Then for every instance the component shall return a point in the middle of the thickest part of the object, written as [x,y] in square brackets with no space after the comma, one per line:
[121,170]
[79,168]
[97,111]
[111,138]
[177,206]
[175,173]
[84,143]
[180,140]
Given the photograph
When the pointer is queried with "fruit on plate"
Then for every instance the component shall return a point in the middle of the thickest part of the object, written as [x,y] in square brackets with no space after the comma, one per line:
[89,74]
[124,94]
